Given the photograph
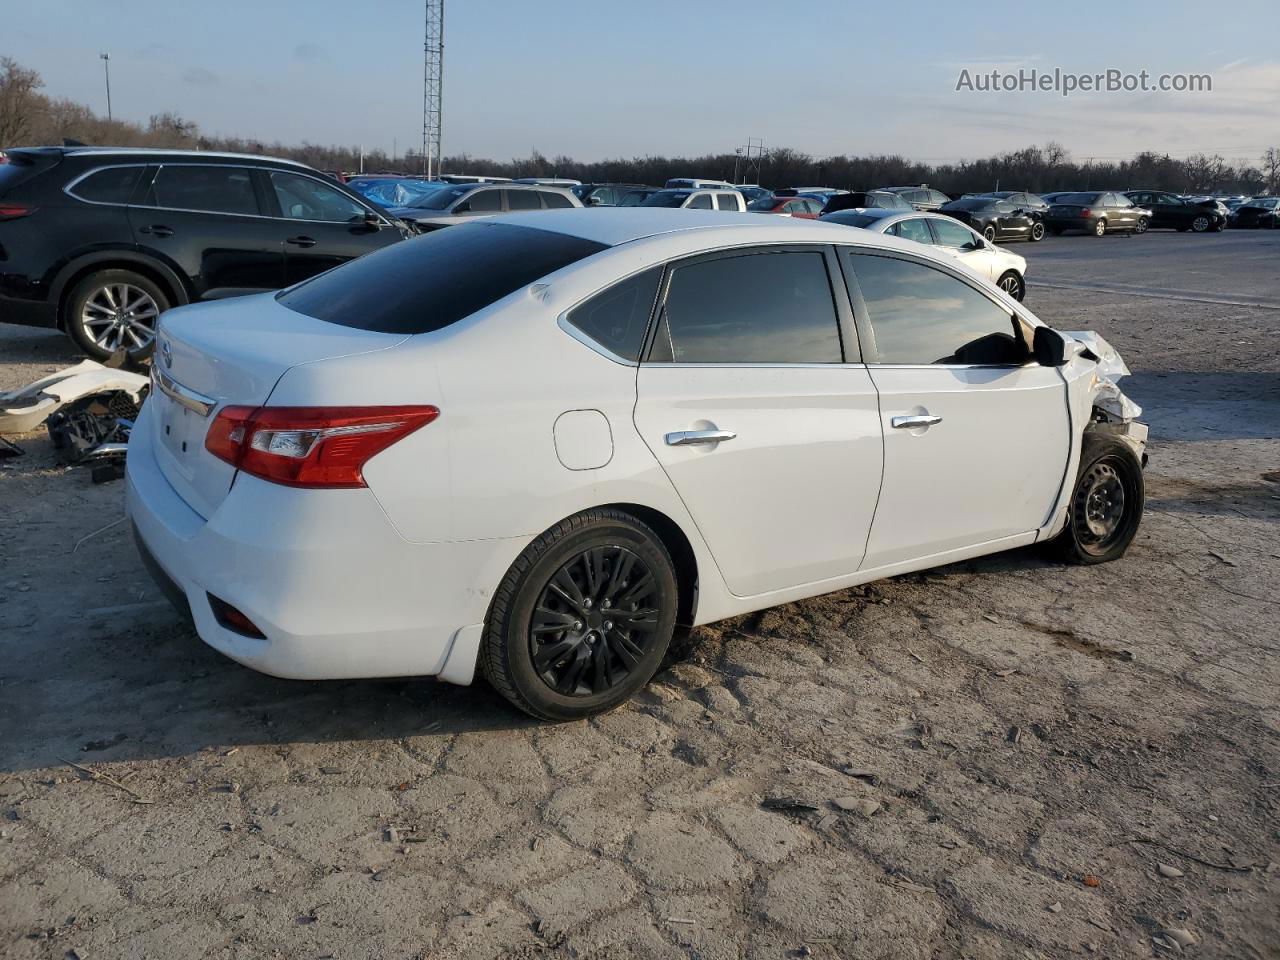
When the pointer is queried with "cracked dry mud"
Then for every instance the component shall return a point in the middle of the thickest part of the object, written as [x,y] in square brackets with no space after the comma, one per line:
[1022,726]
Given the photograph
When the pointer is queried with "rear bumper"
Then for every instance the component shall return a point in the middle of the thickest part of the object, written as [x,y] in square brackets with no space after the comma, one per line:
[322,573]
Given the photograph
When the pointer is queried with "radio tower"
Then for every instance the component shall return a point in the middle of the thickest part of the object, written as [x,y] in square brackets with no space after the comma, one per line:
[432,85]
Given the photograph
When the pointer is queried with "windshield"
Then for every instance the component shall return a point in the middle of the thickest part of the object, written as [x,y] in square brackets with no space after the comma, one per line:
[441,197]
[635,198]
[764,203]
[665,198]
[1082,199]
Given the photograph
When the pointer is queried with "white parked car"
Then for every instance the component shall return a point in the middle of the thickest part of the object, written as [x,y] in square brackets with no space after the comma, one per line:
[1006,270]
[538,444]
[457,203]
[685,199]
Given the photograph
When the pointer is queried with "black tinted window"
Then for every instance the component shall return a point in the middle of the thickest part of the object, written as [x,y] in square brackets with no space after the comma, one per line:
[758,308]
[113,185]
[700,201]
[556,200]
[728,201]
[432,281]
[485,201]
[305,198]
[523,200]
[616,318]
[215,189]
[922,315]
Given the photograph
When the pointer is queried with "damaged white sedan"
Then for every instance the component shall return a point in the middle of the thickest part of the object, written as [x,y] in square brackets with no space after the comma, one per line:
[538,445]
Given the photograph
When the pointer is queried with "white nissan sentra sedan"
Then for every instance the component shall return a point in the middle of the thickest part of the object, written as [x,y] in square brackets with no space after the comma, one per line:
[538,445]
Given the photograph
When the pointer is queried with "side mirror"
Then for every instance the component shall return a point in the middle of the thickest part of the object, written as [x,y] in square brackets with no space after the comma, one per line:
[594,201]
[1052,349]
[372,220]
[463,207]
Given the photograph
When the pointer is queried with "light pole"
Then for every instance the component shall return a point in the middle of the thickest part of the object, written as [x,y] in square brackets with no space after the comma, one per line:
[106,69]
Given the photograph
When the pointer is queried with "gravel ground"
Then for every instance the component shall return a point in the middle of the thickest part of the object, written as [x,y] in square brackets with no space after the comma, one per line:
[1001,758]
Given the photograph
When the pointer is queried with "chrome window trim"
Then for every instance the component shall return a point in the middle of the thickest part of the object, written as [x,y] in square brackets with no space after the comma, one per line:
[215,213]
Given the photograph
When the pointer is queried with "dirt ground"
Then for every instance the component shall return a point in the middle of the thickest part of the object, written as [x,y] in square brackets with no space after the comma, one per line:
[1001,758]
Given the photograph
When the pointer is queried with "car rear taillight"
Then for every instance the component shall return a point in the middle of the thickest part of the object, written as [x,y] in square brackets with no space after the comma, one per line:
[1086,212]
[12,211]
[310,446]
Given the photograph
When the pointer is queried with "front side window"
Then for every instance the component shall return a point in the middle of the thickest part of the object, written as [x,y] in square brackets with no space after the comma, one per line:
[205,188]
[617,317]
[726,201]
[482,201]
[112,185]
[302,198]
[952,234]
[773,307]
[921,315]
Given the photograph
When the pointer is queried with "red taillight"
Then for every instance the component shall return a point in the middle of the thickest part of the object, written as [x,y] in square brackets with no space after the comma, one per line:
[12,211]
[310,446]
[1086,212]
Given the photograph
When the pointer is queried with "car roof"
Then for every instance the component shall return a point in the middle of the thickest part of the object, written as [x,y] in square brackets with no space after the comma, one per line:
[613,226]
[155,152]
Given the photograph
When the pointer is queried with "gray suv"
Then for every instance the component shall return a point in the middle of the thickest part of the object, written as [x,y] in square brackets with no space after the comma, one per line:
[457,203]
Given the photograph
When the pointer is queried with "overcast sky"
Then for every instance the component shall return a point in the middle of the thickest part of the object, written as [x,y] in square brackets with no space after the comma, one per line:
[604,79]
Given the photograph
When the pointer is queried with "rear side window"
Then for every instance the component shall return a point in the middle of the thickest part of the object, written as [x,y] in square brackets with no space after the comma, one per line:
[556,201]
[771,307]
[432,281]
[916,230]
[111,185]
[523,200]
[920,315]
[205,188]
[616,318]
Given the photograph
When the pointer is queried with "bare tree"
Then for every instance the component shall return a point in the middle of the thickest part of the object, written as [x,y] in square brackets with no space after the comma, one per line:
[19,101]
[1271,168]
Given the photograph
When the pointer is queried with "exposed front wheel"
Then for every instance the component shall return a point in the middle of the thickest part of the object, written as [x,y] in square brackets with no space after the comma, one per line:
[1037,231]
[1106,503]
[1100,228]
[114,310]
[1011,282]
[583,618]
[1141,225]
[1200,224]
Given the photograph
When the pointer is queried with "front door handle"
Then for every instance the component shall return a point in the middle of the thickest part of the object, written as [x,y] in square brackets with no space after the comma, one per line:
[684,438]
[157,230]
[919,420]
[301,241]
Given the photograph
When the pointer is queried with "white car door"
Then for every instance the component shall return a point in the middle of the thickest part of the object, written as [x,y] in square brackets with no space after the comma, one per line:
[967,246]
[770,437]
[976,435]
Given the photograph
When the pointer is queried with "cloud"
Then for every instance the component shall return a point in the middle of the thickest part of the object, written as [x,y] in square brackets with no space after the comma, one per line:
[310,52]
[200,77]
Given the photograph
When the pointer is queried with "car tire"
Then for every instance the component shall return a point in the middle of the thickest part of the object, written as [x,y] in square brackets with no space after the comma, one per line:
[94,313]
[1106,504]
[1200,224]
[1037,232]
[989,231]
[1141,226]
[553,642]
[1100,227]
[1011,282]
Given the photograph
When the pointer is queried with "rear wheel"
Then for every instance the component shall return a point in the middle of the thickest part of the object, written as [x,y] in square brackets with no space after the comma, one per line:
[1011,282]
[1106,503]
[989,231]
[583,618]
[1100,228]
[1200,224]
[1037,231]
[114,310]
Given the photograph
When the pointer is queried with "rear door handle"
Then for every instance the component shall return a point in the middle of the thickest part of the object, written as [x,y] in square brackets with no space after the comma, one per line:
[301,241]
[920,420]
[685,438]
[157,230]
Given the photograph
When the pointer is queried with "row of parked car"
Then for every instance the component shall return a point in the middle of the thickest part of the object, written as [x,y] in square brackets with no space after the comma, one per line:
[99,241]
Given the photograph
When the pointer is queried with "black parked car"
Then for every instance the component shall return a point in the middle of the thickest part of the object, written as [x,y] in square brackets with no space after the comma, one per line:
[995,219]
[99,241]
[1020,198]
[1176,213]
[1258,212]
[1096,212]
[866,200]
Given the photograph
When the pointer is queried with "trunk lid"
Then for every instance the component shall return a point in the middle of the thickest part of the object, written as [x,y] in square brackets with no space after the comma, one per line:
[229,352]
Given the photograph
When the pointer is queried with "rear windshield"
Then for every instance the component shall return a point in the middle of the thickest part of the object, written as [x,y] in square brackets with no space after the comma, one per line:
[427,283]
[13,170]
[665,198]
[852,219]
[972,203]
[1081,199]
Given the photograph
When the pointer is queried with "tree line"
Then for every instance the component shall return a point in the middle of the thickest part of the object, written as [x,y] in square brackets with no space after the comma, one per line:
[29,117]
